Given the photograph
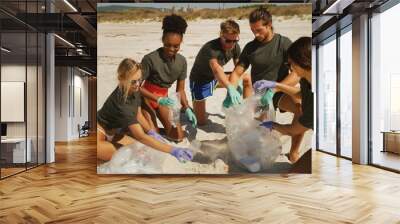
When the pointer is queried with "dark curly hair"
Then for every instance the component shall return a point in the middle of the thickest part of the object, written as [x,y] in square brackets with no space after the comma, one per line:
[174,24]
[300,52]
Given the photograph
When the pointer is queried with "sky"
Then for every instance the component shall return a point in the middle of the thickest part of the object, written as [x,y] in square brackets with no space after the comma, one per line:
[179,5]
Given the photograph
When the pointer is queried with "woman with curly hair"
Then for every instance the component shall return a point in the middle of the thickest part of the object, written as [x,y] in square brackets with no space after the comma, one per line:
[161,68]
[299,58]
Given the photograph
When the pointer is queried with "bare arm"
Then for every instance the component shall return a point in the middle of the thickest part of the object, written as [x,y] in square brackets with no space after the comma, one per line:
[288,86]
[291,79]
[138,133]
[236,74]
[142,120]
[148,94]
[219,73]
[290,90]
[180,88]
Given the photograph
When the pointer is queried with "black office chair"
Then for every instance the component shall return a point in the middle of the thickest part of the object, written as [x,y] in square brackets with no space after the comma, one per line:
[84,130]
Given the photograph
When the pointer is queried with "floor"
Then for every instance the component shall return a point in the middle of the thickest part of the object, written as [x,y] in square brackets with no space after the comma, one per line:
[5,172]
[10,171]
[70,191]
[387,159]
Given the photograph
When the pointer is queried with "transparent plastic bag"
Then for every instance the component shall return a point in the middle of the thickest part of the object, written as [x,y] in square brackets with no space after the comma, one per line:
[260,110]
[252,147]
[134,158]
[137,158]
[175,111]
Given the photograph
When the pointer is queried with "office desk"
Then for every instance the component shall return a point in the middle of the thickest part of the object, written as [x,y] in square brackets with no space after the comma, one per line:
[391,141]
[13,150]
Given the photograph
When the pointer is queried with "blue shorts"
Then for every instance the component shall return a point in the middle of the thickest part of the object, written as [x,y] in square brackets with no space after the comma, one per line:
[202,91]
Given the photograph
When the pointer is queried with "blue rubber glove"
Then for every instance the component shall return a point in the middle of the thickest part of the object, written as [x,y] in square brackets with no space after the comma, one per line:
[191,116]
[264,84]
[227,102]
[182,154]
[155,135]
[267,124]
[233,97]
[166,101]
[266,99]
[240,87]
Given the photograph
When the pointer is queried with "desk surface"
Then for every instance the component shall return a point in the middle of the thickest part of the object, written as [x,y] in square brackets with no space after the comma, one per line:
[391,132]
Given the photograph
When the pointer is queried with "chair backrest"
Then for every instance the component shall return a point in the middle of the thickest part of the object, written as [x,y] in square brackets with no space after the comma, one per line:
[86,125]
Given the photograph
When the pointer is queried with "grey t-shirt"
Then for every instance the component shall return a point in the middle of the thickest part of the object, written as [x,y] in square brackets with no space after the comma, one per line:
[117,113]
[163,71]
[267,60]
[307,104]
[201,71]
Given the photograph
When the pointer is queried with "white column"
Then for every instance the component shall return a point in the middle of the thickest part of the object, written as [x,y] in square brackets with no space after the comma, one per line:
[50,93]
[62,107]
[360,90]
[314,87]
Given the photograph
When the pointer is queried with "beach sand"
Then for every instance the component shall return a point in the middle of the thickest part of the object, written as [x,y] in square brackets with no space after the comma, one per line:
[119,40]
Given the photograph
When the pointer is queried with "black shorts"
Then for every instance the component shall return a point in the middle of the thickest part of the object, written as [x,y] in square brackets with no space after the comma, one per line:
[276,98]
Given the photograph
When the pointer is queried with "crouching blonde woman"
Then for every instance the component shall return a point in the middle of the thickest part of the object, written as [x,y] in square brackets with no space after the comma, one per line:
[122,112]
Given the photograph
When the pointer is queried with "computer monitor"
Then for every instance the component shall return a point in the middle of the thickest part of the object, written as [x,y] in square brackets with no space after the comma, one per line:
[3,129]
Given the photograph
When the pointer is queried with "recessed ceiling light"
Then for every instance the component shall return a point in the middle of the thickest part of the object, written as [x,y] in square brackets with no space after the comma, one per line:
[84,71]
[64,40]
[5,50]
[337,7]
[71,6]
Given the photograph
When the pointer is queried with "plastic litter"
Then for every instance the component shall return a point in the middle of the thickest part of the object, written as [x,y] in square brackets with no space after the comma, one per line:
[175,111]
[135,158]
[252,147]
[140,159]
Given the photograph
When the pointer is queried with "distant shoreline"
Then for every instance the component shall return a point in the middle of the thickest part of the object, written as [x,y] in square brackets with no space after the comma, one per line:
[300,11]
[276,19]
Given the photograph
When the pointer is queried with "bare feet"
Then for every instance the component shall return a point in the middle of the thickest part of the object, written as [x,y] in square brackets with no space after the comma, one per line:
[292,157]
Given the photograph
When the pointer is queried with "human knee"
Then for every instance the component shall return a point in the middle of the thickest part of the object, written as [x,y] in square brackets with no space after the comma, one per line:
[286,103]
[297,110]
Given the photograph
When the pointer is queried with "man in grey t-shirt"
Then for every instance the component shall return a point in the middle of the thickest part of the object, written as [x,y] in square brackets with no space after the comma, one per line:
[208,70]
[266,54]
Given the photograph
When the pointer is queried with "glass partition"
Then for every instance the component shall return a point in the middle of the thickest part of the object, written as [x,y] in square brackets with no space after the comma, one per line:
[385,89]
[346,92]
[22,66]
[13,103]
[327,96]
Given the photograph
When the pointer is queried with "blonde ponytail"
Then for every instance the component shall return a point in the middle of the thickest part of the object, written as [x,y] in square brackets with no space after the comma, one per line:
[126,69]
